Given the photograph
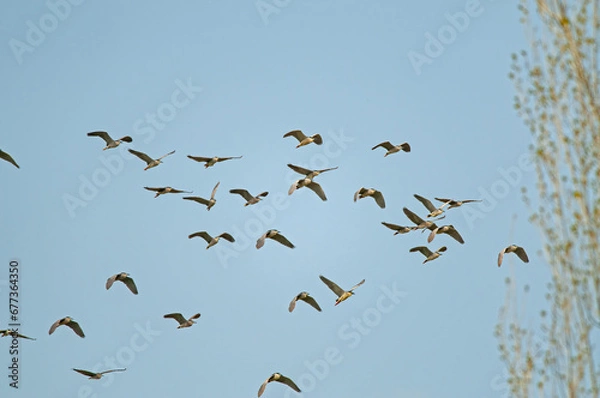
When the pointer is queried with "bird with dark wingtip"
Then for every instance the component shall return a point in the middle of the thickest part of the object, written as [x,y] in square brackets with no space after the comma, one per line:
[164,190]
[393,148]
[303,139]
[183,323]
[122,277]
[280,378]
[429,255]
[150,163]
[14,334]
[209,203]
[372,192]
[276,236]
[518,250]
[110,143]
[210,240]
[341,293]
[97,376]
[250,200]
[209,162]
[304,296]
[67,321]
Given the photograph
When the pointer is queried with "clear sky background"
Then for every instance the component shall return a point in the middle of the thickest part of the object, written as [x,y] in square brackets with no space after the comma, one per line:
[73,215]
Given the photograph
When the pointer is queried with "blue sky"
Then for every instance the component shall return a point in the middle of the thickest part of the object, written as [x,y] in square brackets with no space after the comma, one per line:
[229,79]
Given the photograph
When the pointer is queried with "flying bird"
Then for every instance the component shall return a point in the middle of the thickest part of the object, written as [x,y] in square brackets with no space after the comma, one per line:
[375,194]
[518,250]
[275,235]
[307,172]
[67,321]
[208,162]
[97,376]
[430,256]
[400,229]
[14,334]
[164,190]
[149,161]
[210,240]
[341,293]
[456,203]
[420,223]
[393,148]
[208,203]
[445,229]
[183,323]
[8,158]
[304,296]
[122,277]
[280,378]
[110,143]
[303,139]
[250,200]
[433,211]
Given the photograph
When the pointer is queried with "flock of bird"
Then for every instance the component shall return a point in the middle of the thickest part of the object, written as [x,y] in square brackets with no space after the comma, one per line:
[306,181]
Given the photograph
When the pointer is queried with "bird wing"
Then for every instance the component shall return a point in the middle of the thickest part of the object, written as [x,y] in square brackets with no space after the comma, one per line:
[357,193]
[316,188]
[317,139]
[8,158]
[471,200]
[262,194]
[324,170]
[131,285]
[445,200]
[229,158]
[378,196]
[177,316]
[263,386]
[195,316]
[227,237]
[300,170]
[293,187]
[165,155]
[312,302]
[113,370]
[85,372]
[24,337]
[293,304]
[173,190]
[76,328]
[102,134]
[142,156]
[199,158]
[158,189]
[519,251]
[412,216]
[214,191]
[110,281]
[357,285]
[197,199]
[432,235]
[203,234]
[287,381]
[387,145]
[261,241]
[243,193]
[335,288]
[299,135]
[426,202]
[405,147]
[54,326]
[126,139]
[454,233]
[424,250]
[501,257]
[283,240]
[392,226]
